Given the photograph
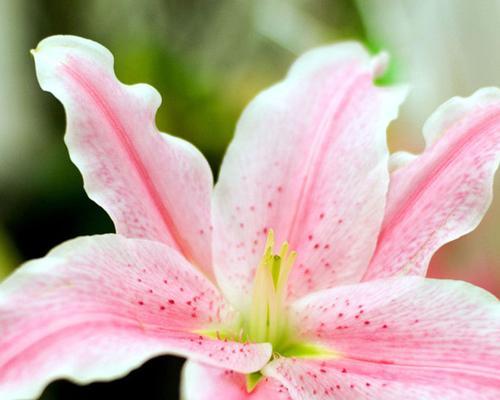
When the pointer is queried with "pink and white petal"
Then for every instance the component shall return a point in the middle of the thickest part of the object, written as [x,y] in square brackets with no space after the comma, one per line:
[316,380]
[153,185]
[407,337]
[309,160]
[94,308]
[203,382]
[445,192]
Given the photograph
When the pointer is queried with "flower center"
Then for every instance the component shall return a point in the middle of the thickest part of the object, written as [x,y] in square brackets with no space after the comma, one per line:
[267,319]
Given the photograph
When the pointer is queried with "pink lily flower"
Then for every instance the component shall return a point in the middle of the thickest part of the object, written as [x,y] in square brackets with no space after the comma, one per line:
[300,275]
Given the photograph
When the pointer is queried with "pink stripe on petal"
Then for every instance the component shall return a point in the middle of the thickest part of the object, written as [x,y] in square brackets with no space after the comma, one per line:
[309,161]
[443,193]
[153,185]
[203,382]
[95,308]
[406,337]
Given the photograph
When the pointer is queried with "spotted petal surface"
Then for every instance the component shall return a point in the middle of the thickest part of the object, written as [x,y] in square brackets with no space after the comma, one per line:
[409,337]
[309,160]
[97,307]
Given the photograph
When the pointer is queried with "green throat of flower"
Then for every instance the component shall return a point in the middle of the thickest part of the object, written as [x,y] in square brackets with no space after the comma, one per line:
[267,320]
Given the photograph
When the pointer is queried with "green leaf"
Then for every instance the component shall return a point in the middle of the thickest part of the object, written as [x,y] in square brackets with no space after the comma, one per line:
[8,256]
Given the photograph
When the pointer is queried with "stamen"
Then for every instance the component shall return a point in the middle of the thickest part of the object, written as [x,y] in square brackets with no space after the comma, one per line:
[267,322]
[268,318]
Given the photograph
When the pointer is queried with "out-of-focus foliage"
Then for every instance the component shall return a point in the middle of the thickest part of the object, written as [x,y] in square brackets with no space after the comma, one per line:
[8,256]
[22,132]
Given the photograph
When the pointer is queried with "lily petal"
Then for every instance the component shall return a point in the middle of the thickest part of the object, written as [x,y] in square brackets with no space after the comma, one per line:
[203,382]
[97,307]
[151,184]
[309,160]
[407,337]
[314,380]
[445,192]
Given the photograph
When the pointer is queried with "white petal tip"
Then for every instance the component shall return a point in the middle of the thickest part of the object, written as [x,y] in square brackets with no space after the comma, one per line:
[319,57]
[59,45]
[55,51]
[453,109]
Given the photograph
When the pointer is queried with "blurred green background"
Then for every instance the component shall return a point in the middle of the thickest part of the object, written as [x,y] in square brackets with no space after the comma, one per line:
[208,59]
